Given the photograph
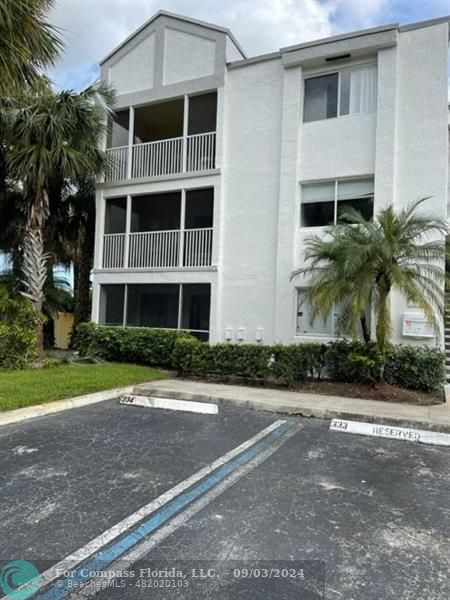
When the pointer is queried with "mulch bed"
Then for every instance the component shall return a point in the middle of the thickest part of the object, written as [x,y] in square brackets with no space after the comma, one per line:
[379,391]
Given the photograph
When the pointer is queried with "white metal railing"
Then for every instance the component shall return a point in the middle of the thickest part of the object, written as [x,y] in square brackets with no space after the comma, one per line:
[158,249]
[113,250]
[154,249]
[201,151]
[151,159]
[164,157]
[119,163]
[198,247]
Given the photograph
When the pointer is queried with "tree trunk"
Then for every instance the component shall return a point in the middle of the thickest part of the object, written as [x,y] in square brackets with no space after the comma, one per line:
[35,260]
[85,259]
[365,329]
[35,273]
[383,321]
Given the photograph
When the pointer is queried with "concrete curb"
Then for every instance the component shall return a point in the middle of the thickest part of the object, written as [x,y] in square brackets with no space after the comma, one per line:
[41,410]
[295,408]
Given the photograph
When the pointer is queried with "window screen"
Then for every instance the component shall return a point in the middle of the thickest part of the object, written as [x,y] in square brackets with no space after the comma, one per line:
[321,97]
[357,194]
[318,204]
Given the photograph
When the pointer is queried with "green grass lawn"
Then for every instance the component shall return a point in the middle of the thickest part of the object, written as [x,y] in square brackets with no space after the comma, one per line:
[35,386]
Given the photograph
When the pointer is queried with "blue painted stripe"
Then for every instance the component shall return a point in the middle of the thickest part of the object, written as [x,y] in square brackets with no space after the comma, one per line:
[102,559]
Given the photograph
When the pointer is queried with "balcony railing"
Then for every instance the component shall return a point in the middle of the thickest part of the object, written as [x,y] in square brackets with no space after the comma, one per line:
[113,250]
[165,157]
[158,158]
[158,249]
[197,247]
[153,250]
[118,169]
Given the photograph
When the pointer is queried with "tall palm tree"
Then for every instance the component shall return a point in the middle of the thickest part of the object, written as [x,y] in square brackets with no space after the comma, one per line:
[358,263]
[28,43]
[51,136]
[80,236]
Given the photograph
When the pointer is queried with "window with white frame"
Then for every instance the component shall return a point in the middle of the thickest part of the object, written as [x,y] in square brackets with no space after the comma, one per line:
[346,92]
[330,327]
[324,202]
[304,326]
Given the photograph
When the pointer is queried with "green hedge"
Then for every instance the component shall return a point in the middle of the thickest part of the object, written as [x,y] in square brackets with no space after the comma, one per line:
[140,345]
[282,363]
[18,321]
[413,367]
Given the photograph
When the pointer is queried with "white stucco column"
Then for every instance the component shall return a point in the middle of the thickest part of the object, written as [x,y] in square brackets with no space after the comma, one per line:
[287,210]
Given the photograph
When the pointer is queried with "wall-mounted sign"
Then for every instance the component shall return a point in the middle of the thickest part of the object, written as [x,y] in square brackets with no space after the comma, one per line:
[417,325]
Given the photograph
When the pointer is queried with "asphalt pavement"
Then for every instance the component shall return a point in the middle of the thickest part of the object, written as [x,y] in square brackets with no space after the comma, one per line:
[149,503]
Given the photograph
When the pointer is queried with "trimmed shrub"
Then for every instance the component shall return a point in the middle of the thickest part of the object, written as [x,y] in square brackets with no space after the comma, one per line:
[316,359]
[350,361]
[416,368]
[285,363]
[141,345]
[83,336]
[353,361]
[18,321]
[17,345]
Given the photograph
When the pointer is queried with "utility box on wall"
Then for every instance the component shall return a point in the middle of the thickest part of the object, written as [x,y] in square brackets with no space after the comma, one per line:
[416,325]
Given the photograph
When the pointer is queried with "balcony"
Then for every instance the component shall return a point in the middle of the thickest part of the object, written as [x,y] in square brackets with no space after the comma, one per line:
[165,157]
[163,139]
[158,249]
[166,231]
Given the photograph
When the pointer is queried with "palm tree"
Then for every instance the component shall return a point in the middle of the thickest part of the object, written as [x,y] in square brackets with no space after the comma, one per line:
[28,43]
[358,263]
[51,137]
[80,237]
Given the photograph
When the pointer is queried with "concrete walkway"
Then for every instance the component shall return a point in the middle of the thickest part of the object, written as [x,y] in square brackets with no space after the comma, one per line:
[436,418]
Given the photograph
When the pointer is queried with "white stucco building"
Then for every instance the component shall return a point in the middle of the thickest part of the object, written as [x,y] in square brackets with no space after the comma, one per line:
[225,164]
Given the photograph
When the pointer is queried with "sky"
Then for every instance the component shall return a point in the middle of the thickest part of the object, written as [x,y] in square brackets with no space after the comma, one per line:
[91,28]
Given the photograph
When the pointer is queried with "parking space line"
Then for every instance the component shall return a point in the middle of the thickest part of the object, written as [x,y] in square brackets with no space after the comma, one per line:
[71,561]
[100,560]
[162,533]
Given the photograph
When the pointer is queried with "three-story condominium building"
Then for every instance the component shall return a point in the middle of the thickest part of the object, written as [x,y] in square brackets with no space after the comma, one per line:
[223,165]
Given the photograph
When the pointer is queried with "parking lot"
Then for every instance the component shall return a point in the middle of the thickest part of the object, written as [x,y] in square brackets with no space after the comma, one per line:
[242,504]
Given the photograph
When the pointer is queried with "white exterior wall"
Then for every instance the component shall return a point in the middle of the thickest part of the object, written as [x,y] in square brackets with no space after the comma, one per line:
[250,173]
[422,143]
[265,151]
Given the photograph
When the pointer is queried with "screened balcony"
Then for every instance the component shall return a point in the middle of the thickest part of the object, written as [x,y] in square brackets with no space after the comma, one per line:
[159,231]
[170,306]
[166,138]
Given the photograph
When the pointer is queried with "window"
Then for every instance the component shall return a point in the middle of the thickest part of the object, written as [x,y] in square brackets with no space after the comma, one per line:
[171,306]
[156,212]
[346,92]
[323,203]
[202,113]
[303,323]
[112,302]
[115,215]
[153,305]
[195,309]
[118,127]
[331,327]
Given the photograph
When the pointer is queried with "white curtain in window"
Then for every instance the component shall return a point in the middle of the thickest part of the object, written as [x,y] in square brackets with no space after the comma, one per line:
[363,89]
